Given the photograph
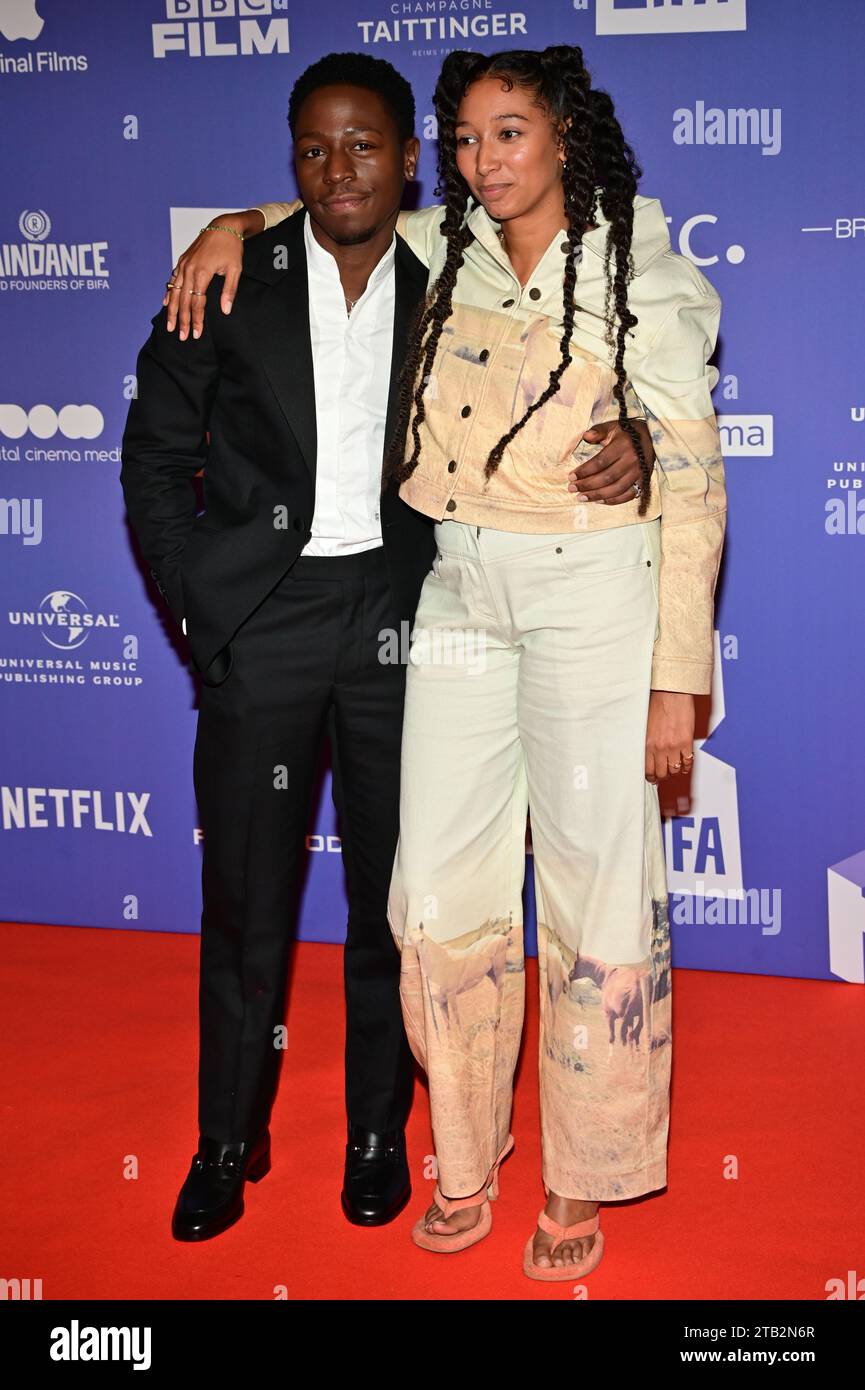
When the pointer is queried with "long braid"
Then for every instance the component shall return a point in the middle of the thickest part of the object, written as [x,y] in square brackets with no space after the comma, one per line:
[618,175]
[438,306]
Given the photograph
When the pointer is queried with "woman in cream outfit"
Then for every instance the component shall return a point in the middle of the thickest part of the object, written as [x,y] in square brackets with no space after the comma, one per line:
[558,646]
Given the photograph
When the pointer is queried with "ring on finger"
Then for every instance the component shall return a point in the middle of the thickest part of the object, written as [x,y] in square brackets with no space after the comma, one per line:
[200,292]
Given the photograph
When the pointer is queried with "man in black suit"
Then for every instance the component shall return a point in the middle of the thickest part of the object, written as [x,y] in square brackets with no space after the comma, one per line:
[286,587]
[288,645]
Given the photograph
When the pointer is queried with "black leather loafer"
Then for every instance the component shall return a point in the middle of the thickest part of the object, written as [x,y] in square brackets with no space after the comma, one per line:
[376,1185]
[211,1198]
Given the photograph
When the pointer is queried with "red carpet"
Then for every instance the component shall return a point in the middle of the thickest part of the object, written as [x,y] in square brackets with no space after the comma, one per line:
[99,1071]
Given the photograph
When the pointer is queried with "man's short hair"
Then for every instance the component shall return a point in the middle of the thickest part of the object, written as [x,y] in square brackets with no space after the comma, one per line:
[357,70]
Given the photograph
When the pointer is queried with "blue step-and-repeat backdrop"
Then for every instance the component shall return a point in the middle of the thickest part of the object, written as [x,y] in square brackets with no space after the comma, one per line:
[128,123]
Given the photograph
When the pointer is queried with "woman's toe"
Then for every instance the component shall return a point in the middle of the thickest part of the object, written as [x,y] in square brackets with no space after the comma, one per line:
[541,1256]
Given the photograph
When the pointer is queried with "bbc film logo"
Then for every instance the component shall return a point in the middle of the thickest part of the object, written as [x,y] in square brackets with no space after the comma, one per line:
[221,29]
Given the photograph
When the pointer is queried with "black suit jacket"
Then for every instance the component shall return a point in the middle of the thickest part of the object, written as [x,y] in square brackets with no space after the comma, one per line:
[248,381]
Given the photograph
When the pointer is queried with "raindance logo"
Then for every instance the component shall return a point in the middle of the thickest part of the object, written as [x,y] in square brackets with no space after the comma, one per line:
[19,21]
[668,16]
[35,263]
[221,28]
[64,620]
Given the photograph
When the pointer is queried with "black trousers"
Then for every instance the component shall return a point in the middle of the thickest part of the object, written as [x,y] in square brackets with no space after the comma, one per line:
[305,663]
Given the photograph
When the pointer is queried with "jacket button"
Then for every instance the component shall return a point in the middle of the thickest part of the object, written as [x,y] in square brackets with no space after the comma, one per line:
[506,303]
[452,466]
[534,293]
[565,246]
[483,354]
[466,410]
[298,523]
[451,506]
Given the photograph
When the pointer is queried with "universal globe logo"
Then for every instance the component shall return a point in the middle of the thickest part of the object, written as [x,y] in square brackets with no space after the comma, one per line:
[64,619]
[71,610]
[35,225]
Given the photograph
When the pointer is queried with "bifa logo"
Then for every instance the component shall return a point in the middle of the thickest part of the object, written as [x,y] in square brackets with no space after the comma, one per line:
[668,16]
[221,28]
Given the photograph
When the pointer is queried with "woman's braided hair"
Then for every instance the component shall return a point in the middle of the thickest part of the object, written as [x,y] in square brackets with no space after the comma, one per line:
[598,163]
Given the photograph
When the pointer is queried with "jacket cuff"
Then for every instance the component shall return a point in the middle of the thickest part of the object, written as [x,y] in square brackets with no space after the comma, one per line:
[171,591]
[274,213]
[678,674]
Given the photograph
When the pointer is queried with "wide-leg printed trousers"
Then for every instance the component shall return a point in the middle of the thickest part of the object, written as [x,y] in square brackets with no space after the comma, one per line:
[527,688]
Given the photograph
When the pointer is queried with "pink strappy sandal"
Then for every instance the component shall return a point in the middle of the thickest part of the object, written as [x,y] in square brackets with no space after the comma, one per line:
[552,1273]
[431,1240]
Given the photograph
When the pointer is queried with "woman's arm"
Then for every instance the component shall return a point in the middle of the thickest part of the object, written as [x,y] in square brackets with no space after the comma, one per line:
[220,252]
[674,382]
[276,212]
[216,251]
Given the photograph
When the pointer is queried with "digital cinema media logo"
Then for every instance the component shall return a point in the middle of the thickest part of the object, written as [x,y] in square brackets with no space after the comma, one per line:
[668,16]
[221,28]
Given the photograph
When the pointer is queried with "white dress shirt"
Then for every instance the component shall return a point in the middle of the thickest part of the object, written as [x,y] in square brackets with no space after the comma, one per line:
[351,358]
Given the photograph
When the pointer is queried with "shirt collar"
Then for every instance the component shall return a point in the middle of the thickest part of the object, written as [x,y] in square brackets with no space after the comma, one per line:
[650,233]
[325,263]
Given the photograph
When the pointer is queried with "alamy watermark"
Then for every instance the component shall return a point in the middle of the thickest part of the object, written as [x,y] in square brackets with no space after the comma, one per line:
[436,646]
[752,907]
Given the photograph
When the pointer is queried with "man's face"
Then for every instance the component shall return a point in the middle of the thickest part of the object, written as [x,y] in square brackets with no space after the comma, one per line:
[350,162]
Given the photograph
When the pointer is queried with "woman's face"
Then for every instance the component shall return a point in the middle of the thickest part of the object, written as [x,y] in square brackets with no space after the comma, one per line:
[507,151]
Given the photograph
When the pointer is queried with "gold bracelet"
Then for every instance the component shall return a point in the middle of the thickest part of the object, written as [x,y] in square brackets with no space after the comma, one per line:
[212,228]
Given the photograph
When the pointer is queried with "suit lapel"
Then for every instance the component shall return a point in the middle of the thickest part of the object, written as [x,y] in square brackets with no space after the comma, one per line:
[282,329]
